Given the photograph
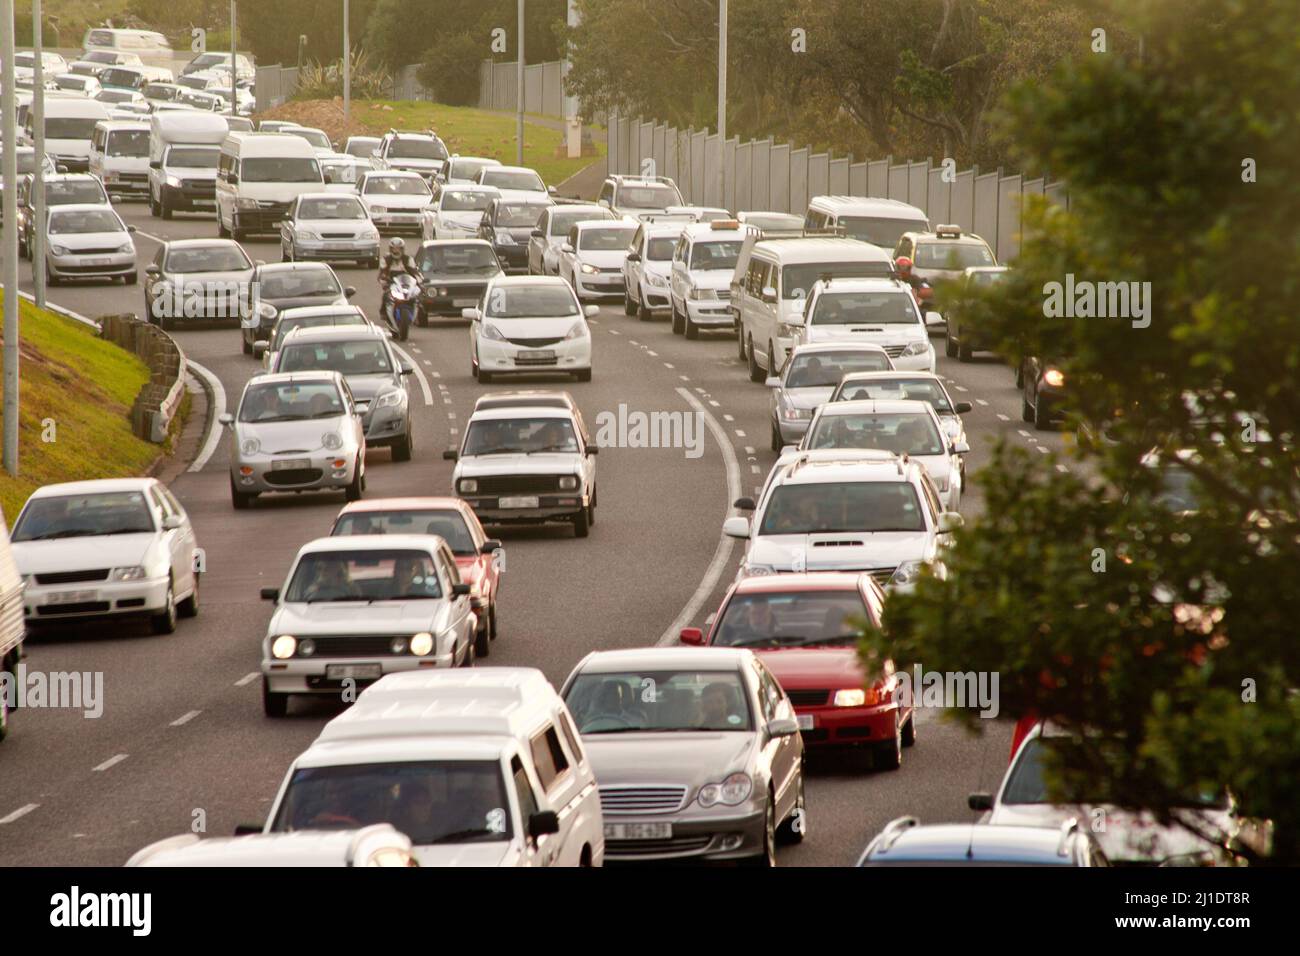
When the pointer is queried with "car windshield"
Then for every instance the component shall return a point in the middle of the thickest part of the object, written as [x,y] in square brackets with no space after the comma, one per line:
[286,325]
[290,401]
[133,143]
[792,618]
[512,179]
[775,220]
[825,369]
[336,172]
[68,191]
[661,249]
[404,148]
[647,197]
[193,157]
[864,308]
[843,506]
[467,168]
[366,356]
[127,78]
[464,200]
[223,258]
[562,221]
[605,239]
[280,169]
[502,436]
[345,207]
[67,221]
[715,255]
[70,127]
[467,259]
[951,255]
[299,283]
[396,186]
[658,701]
[518,215]
[531,302]
[449,524]
[161,91]
[313,136]
[431,801]
[797,281]
[396,574]
[880,232]
[26,161]
[77,516]
[903,433]
[193,82]
[115,96]
[987,278]
[70,82]
[361,147]
[909,389]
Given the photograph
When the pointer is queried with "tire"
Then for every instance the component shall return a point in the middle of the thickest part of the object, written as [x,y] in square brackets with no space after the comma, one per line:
[771,360]
[889,754]
[353,491]
[131,278]
[790,831]
[583,376]
[949,343]
[245,344]
[582,524]
[402,450]
[239,235]
[768,857]
[421,317]
[190,606]
[483,640]
[1026,410]
[643,313]
[153,205]
[1020,376]
[777,442]
[372,264]
[964,353]
[164,622]
[909,731]
[273,705]
[692,330]
[222,231]
[629,307]
[493,624]
[755,370]
[242,500]
[164,210]
[1042,422]
[50,277]
[483,377]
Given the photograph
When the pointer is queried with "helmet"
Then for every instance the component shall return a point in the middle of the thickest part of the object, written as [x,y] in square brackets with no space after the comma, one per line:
[396,246]
[904,264]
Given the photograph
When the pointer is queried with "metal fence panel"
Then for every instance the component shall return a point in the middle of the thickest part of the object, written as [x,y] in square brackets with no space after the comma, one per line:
[553,87]
[698,161]
[819,176]
[760,193]
[857,180]
[744,176]
[729,150]
[671,167]
[485,85]
[798,179]
[878,178]
[837,176]
[1008,235]
[658,151]
[961,205]
[917,174]
[898,182]
[986,206]
[778,187]
[938,197]
[712,158]
[1056,193]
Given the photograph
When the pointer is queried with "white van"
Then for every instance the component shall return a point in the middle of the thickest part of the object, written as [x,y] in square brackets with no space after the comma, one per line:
[69,126]
[150,46]
[773,278]
[12,628]
[119,156]
[259,175]
[184,150]
[479,767]
[877,221]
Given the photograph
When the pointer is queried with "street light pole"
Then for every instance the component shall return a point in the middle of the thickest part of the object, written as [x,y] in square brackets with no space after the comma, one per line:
[722,102]
[519,92]
[37,250]
[573,123]
[347,70]
[234,63]
[9,237]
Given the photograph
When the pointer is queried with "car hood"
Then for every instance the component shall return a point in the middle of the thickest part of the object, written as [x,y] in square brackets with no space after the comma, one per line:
[282,437]
[462,219]
[334,225]
[192,172]
[294,301]
[359,617]
[690,759]
[874,334]
[1132,836]
[806,667]
[546,463]
[465,854]
[808,397]
[89,240]
[716,279]
[71,554]
[850,550]
[603,258]
[397,201]
[535,328]
[417,164]
[366,387]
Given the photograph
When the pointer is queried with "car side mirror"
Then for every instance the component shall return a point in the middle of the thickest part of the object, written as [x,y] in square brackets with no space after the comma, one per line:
[591,311]
[980,801]
[152,270]
[566,247]
[460,590]
[960,447]
[537,234]
[130,228]
[472,314]
[247,829]
[961,408]
[407,369]
[155,164]
[950,521]
[490,546]
[692,636]
[593,450]
[259,348]
[603,202]
[225,418]
[172,522]
[551,190]
[270,594]
[634,257]
[769,294]
[773,382]
[737,527]
[744,504]
[450,455]
[542,823]
[782,727]
[61,168]
[349,291]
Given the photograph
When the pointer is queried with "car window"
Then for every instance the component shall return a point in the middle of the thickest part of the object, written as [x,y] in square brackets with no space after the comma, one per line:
[659,701]
[364,575]
[548,757]
[824,369]
[81,515]
[368,356]
[823,507]
[523,790]
[903,433]
[791,618]
[571,737]
[864,308]
[952,255]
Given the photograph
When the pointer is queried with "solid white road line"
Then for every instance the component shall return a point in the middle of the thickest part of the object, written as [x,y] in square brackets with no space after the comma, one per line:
[185,718]
[20,812]
[722,554]
[217,395]
[111,762]
[419,373]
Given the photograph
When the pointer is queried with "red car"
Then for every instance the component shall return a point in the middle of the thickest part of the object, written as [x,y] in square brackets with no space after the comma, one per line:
[480,559]
[806,626]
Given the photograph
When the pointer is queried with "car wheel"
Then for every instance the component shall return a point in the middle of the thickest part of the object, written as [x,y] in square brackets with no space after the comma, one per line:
[629,306]
[245,344]
[949,343]
[402,450]
[768,857]
[164,622]
[771,361]
[190,606]
[692,330]
[777,442]
[678,326]
[1026,410]
[583,376]
[52,278]
[4,716]
[889,754]
[483,638]
[643,312]
[581,524]
[353,491]
[421,317]
[240,499]
[273,705]
[795,826]
[755,371]
[493,621]
[909,731]
[153,205]
[222,231]
[482,376]
[131,278]
[1042,418]
[164,209]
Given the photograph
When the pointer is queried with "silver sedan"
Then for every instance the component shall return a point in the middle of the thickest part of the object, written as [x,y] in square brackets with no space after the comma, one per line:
[330,226]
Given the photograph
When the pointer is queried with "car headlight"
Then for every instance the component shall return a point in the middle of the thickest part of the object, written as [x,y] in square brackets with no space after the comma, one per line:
[282,647]
[786,330]
[371,233]
[422,644]
[589,270]
[850,697]
[378,209]
[172,181]
[126,248]
[730,792]
[265,310]
[656,280]
[1054,377]
[797,414]
[58,250]
[754,570]
[906,573]
[504,239]
[919,347]
[701,294]
[135,573]
[467,486]
[393,397]
[579,331]
[250,446]
[307,234]
[491,332]
[331,440]
[245,203]
[568,482]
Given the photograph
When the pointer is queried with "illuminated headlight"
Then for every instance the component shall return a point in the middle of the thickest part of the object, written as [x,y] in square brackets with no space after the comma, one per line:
[331,440]
[250,446]
[371,233]
[1054,377]
[851,697]
[579,331]
[126,248]
[59,250]
[135,573]
[282,647]
[307,234]
[656,280]
[467,486]
[397,645]
[919,347]
[390,398]
[568,482]
[589,270]
[422,644]
[491,332]
[172,181]
[730,792]
[906,573]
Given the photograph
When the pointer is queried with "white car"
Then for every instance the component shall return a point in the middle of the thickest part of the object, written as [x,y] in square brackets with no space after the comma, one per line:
[880,312]
[923,386]
[845,511]
[329,226]
[808,379]
[319,140]
[906,428]
[648,267]
[530,324]
[527,464]
[461,170]
[362,147]
[591,257]
[703,264]
[117,547]
[456,211]
[123,99]
[354,608]
[395,199]
[552,231]
[76,83]
[375,845]
[516,183]
[421,153]
[342,172]
[700,213]
[639,196]
[85,241]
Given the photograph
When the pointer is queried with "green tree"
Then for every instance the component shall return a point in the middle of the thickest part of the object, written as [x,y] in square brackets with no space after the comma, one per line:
[1183,648]
[401,32]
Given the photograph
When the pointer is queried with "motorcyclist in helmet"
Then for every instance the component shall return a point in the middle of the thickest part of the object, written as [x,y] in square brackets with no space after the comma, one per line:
[395,261]
[920,287]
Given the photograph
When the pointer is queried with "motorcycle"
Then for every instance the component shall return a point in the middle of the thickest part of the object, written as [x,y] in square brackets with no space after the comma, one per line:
[403,293]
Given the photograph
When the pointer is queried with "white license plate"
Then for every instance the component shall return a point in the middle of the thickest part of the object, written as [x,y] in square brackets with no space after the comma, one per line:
[98,262]
[638,831]
[354,671]
[205,202]
[71,597]
[524,501]
[805,721]
[285,464]
[464,303]
[338,245]
[537,355]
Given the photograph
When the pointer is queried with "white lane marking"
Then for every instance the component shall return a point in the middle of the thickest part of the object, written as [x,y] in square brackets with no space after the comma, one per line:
[715,403]
[439,374]
[1024,434]
[160,239]
[980,401]
[722,554]
[960,388]
[428,361]
[1003,418]
[728,418]
[651,354]
[111,762]
[217,393]
[684,378]
[1043,448]
[419,373]
[185,718]
[755,469]
[415,350]
[749,449]
[610,331]
[247,679]
[20,812]
[668,365]
[700,391]
[633,341]
[739,433]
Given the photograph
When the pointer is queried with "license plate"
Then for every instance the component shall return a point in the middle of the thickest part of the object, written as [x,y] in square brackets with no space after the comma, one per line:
[205,202]
[338,245]
[537,355]
[354,671]
[285,464]
[464,303]
[98,262]
[71,597]
[524,501]
[805,721]
[638,831]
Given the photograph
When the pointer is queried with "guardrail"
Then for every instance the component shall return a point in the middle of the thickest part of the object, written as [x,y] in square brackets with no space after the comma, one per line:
[160,398]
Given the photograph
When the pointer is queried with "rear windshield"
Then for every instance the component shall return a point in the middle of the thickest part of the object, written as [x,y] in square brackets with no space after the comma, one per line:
[129,143]
[69,127]
[843,506]
[880,232]
[448,524]
[280,169]
[605,240]
[951,255]
[796,281]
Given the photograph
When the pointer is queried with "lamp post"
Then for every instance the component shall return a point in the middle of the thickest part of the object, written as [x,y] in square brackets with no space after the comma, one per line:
[37,250]
[519,92]
[9,237]
[722,102]
[347,69]
[234,63]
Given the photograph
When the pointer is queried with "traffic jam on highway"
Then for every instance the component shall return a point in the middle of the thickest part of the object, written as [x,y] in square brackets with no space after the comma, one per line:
[355,630]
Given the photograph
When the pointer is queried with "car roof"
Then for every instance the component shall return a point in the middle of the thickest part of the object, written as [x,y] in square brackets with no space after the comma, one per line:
[337,194]
[656,229]
[669,658]
[202,243]
[582,225]
[977,842]
[707,230]
[888,374]
[404,504]
[444,243]
[882,406]
[280,378]
[373,542]
[117,124]
[471,188]
[540,281]
[805,249]
[557,398]
[331,333]
[862,284]
[811,348]
[879,207]
[815,581]
[308,311]
[297,848]
[847,465]
[93,485]
[299,265]
[509,412]
[512,169]
[398,173]
[79,207]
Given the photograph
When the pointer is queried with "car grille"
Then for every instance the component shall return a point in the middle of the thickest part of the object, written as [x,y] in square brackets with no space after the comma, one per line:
[97,251]
[615,270]
[199,188]
[293,476]
[690,844]
[353,645]
[85,607]
[89,270]
[535,343]
[808,698]
[894,351]
[664,798]
[69,577]
[337,235]
[517,484]
[133,177]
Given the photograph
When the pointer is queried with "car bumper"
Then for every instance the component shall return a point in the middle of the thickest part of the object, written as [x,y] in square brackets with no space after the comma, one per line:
[319,473]
[203,196]
[655,298]
[549,507]
[342,249]
[391,223]
[721,836]
[513,259]
[264,219]
[312,675]
[137,185]
[92,267]
[568,355]
[94,599]
[715,312]
[605,284]
[792,432]
[386,426]
[848,726]
[450,299]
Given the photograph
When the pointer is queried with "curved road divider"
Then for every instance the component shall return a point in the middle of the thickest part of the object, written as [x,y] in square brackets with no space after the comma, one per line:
[160,398]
